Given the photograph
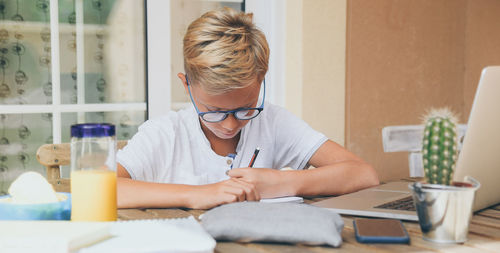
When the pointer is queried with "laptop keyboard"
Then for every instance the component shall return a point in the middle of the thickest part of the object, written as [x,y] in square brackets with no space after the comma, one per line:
[405,204]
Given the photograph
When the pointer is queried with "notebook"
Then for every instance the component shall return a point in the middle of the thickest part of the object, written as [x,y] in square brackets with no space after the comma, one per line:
[166,235]
[479,159]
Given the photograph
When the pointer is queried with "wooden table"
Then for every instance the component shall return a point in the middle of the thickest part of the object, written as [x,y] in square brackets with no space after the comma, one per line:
[484,235]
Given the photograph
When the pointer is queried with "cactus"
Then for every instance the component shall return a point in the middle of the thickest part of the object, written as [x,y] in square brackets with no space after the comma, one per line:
[439,149]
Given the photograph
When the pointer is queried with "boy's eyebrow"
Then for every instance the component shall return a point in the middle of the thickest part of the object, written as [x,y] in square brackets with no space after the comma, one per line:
[213,108]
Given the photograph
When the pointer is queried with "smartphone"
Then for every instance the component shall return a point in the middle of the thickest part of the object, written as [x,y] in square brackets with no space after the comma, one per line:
[380,231]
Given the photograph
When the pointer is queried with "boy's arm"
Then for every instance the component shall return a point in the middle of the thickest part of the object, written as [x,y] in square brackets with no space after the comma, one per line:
[140,194]
[337,171]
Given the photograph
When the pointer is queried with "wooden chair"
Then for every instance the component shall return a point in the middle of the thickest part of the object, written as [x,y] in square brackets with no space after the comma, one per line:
[53,156]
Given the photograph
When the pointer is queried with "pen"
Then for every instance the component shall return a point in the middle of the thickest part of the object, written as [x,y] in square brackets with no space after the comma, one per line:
[255,153]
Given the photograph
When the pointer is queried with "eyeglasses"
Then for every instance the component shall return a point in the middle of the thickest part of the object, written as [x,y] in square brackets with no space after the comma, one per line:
[240,113]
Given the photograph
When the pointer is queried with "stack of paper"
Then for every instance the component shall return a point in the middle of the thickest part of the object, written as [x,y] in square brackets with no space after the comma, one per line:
[168,235]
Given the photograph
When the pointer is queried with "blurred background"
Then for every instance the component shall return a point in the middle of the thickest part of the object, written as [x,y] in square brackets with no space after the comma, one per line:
[347,67]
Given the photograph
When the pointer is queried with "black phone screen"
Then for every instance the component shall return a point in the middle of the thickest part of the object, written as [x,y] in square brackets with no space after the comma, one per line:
[380,231]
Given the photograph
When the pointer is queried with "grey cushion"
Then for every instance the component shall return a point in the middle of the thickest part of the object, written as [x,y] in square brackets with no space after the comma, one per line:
[274,222]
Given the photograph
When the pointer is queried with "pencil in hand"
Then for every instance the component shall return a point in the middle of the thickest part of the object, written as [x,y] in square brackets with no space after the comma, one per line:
[255,153]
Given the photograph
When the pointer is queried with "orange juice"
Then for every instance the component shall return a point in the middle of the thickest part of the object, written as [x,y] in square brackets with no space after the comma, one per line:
[93,195]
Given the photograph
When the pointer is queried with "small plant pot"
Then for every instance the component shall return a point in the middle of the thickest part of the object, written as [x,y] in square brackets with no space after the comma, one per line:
[444,212]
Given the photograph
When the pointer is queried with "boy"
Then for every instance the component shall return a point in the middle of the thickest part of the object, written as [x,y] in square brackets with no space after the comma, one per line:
[199,157]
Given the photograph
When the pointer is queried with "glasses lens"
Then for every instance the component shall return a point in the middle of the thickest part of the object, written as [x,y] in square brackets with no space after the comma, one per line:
[213,116]
[247,114]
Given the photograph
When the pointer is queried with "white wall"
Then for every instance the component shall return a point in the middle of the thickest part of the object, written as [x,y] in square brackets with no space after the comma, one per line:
[315,64]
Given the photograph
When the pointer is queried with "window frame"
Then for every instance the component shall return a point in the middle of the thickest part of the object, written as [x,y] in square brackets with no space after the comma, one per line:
[57,108]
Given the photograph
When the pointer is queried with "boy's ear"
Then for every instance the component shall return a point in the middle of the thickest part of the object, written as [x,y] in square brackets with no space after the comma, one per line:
[182,77]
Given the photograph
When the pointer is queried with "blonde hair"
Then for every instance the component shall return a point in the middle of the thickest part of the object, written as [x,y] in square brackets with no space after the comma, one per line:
[224,50]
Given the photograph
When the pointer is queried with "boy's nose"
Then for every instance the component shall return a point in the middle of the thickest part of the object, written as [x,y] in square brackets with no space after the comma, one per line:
[230,122]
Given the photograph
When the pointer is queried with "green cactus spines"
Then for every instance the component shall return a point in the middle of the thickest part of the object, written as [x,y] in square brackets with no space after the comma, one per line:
[439,149]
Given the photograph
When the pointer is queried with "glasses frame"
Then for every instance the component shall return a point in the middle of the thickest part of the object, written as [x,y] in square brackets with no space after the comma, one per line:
[226,113]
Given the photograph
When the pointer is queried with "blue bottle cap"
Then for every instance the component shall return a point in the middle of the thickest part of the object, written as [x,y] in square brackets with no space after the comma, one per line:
[92,130]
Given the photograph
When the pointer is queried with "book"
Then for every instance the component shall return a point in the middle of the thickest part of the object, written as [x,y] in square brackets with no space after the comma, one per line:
[50,236]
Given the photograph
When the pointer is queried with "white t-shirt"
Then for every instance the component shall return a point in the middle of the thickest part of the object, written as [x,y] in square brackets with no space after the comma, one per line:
[174,149]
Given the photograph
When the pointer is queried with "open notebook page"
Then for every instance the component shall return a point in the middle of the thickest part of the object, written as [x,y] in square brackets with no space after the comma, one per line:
[165,235]
[291,199]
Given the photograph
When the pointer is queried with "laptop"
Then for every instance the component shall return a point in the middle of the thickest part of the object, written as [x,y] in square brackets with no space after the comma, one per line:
[479,158]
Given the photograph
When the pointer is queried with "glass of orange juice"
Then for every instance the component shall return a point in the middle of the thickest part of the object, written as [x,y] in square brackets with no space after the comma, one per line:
[93,172]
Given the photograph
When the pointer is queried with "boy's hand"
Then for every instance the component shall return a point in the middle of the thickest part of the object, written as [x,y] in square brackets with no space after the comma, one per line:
[269,182]
[224,192]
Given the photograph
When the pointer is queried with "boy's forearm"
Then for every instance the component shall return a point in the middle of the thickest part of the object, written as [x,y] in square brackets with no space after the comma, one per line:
[139,194]
[336,179]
